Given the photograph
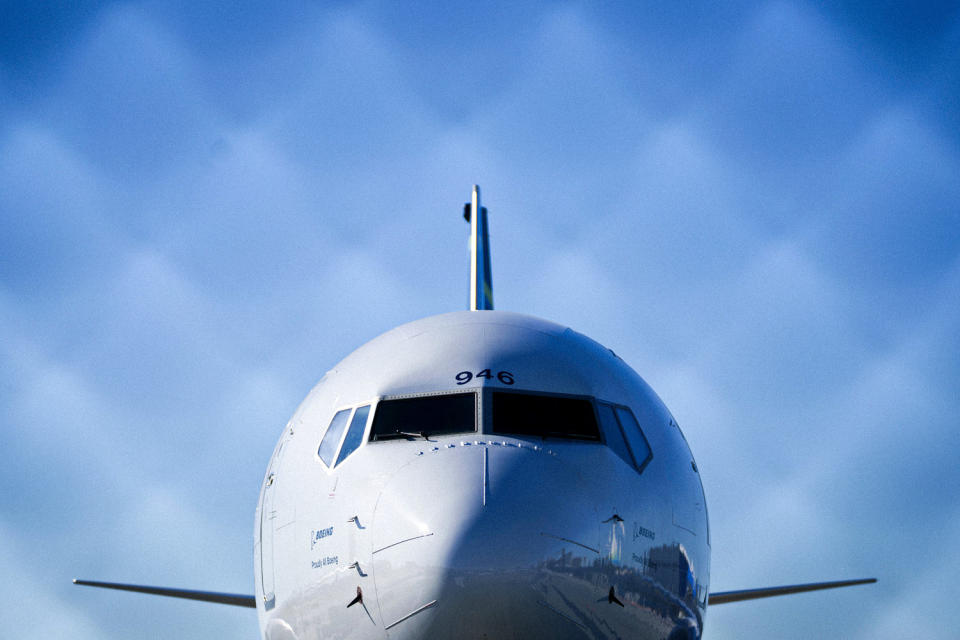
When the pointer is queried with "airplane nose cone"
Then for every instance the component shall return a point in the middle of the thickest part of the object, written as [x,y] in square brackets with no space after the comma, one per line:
[466,538]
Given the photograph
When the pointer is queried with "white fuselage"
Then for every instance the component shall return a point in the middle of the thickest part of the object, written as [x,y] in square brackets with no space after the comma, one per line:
[482,533]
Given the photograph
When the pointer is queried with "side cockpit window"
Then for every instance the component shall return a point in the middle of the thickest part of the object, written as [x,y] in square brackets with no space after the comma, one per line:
[328,446]
[424,416]
[635,438]
[330,443]
[354,437]
[543,416]
[624,435]
[614,434]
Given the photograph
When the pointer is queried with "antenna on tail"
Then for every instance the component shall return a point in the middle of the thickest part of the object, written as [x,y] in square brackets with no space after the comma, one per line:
[481,284]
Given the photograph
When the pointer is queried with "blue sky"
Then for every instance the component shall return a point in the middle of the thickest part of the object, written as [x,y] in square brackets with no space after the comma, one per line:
[205,208]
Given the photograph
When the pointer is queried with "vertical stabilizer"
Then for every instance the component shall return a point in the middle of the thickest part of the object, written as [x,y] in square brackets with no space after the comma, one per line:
[481,284]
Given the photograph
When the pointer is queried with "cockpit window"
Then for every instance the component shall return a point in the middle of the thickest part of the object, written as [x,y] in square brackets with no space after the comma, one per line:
[424,416]
[638,443]
[328,446]
[543,416]
[614,434]
[354,436]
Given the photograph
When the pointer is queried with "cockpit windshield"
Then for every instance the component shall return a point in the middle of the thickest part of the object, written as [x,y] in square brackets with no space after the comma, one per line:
[425,416]
[544,416]
[508,413]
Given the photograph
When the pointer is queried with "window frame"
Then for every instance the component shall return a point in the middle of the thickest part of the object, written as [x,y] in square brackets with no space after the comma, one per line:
[487,393]
[352,408]
[477,411]
[600,406]
[639,466]
[341,458]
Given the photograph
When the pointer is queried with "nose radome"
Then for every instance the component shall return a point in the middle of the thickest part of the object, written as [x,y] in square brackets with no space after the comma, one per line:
[475,523]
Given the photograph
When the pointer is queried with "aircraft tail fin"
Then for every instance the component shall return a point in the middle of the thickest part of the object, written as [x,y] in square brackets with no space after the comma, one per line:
[481,283]
[724,597]
[235,599]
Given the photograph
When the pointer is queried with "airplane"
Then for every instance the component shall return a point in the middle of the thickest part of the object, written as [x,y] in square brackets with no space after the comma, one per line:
[481,474]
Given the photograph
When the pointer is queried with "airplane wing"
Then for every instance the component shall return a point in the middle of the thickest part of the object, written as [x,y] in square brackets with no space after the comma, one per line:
[723,597]
[235,599]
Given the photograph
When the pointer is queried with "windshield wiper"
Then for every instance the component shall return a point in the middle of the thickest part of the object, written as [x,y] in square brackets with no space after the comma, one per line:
[413,434]
[390,436]
[397,433]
